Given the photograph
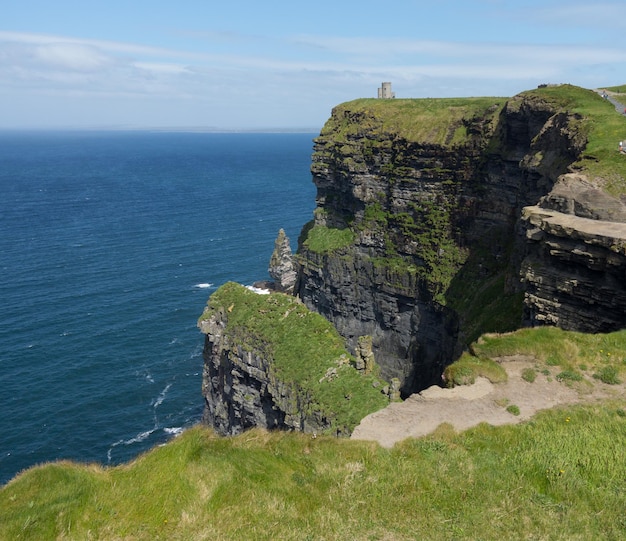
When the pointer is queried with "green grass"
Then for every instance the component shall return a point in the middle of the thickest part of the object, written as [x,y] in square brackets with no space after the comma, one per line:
[559,476]
[323,240]
[621,89]
[468,367]
[513,409]
[529,374]
[608,375]
[603,127]
[302,346]
[438,121]
[600,356]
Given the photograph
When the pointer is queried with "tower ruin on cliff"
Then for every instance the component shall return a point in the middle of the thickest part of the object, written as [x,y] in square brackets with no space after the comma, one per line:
[384,92]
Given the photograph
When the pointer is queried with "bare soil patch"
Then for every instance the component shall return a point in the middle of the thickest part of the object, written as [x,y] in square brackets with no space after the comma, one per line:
[466,406]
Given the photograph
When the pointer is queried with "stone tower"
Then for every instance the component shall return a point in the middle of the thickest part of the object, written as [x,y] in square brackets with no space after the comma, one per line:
[384,92]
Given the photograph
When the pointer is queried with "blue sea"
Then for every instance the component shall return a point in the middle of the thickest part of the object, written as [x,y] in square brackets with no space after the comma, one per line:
[110,245]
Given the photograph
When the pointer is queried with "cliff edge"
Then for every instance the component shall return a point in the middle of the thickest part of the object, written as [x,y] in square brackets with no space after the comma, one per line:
[436,222]
[271,362]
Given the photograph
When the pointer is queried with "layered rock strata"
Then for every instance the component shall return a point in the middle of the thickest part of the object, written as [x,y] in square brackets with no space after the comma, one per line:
[270,362]
[436,221]
[437,235]
[575,269]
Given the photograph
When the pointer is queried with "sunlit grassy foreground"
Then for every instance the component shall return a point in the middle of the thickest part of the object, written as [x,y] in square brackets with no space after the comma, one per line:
[567,355]
[560,476]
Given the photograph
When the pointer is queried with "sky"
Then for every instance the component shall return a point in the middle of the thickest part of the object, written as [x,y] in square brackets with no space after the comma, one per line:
[274,64]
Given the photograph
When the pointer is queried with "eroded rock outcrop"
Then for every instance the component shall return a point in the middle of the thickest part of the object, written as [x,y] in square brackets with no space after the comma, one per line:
[281,268]
[270,362]
[436,245]
[574,271]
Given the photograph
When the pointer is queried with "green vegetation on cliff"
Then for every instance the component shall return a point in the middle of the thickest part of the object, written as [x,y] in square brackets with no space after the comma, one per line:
[322,240]
[440,121]
[304,349]
[601,125]
[564,354]
[441,147]
[488,305]
[559,476]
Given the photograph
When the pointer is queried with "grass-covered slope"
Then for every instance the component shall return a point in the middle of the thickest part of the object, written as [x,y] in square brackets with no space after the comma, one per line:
[439,121]
[575,357]
[560,476]
[304,349]
[604,129]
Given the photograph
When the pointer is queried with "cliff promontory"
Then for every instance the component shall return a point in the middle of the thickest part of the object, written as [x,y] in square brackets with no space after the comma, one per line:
[271,362]
[438,220]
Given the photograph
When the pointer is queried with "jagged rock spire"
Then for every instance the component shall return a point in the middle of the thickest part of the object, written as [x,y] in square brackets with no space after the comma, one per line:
[281,268]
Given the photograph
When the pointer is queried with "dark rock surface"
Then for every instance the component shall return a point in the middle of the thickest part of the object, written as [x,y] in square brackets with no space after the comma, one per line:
[241,390]
[420,243]
[424,213]
[281,267]
[574,271]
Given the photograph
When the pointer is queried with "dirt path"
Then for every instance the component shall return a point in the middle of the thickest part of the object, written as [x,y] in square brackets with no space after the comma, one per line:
[467,406]
[619,107]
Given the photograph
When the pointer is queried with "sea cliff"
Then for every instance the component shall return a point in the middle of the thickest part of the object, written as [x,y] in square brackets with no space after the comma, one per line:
[271,362]
[434,193]
[438,220]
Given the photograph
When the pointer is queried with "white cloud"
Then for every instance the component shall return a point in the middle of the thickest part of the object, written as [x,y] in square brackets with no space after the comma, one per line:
[102,45]
[162,68]
[70,56]
[291,81]
[605,15]
[39,56]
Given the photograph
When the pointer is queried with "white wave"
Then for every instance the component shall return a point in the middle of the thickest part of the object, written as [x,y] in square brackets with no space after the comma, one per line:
[161,396]
[259,290]
[204,285]
[137,439]
[174,430]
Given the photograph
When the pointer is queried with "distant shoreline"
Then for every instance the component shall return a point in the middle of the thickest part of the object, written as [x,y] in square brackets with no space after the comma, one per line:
[163,129]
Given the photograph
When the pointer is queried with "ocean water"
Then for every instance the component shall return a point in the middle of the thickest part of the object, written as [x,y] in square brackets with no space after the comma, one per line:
[110,245]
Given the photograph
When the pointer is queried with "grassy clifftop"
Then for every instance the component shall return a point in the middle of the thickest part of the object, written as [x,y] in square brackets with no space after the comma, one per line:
[304,351]
[559,476]
[441,121]
[602,126]
[445,122]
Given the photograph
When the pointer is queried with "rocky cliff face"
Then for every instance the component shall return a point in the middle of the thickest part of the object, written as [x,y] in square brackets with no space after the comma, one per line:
[270,362]
[241,389]
[575,266]
[437,233]
[436,221]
